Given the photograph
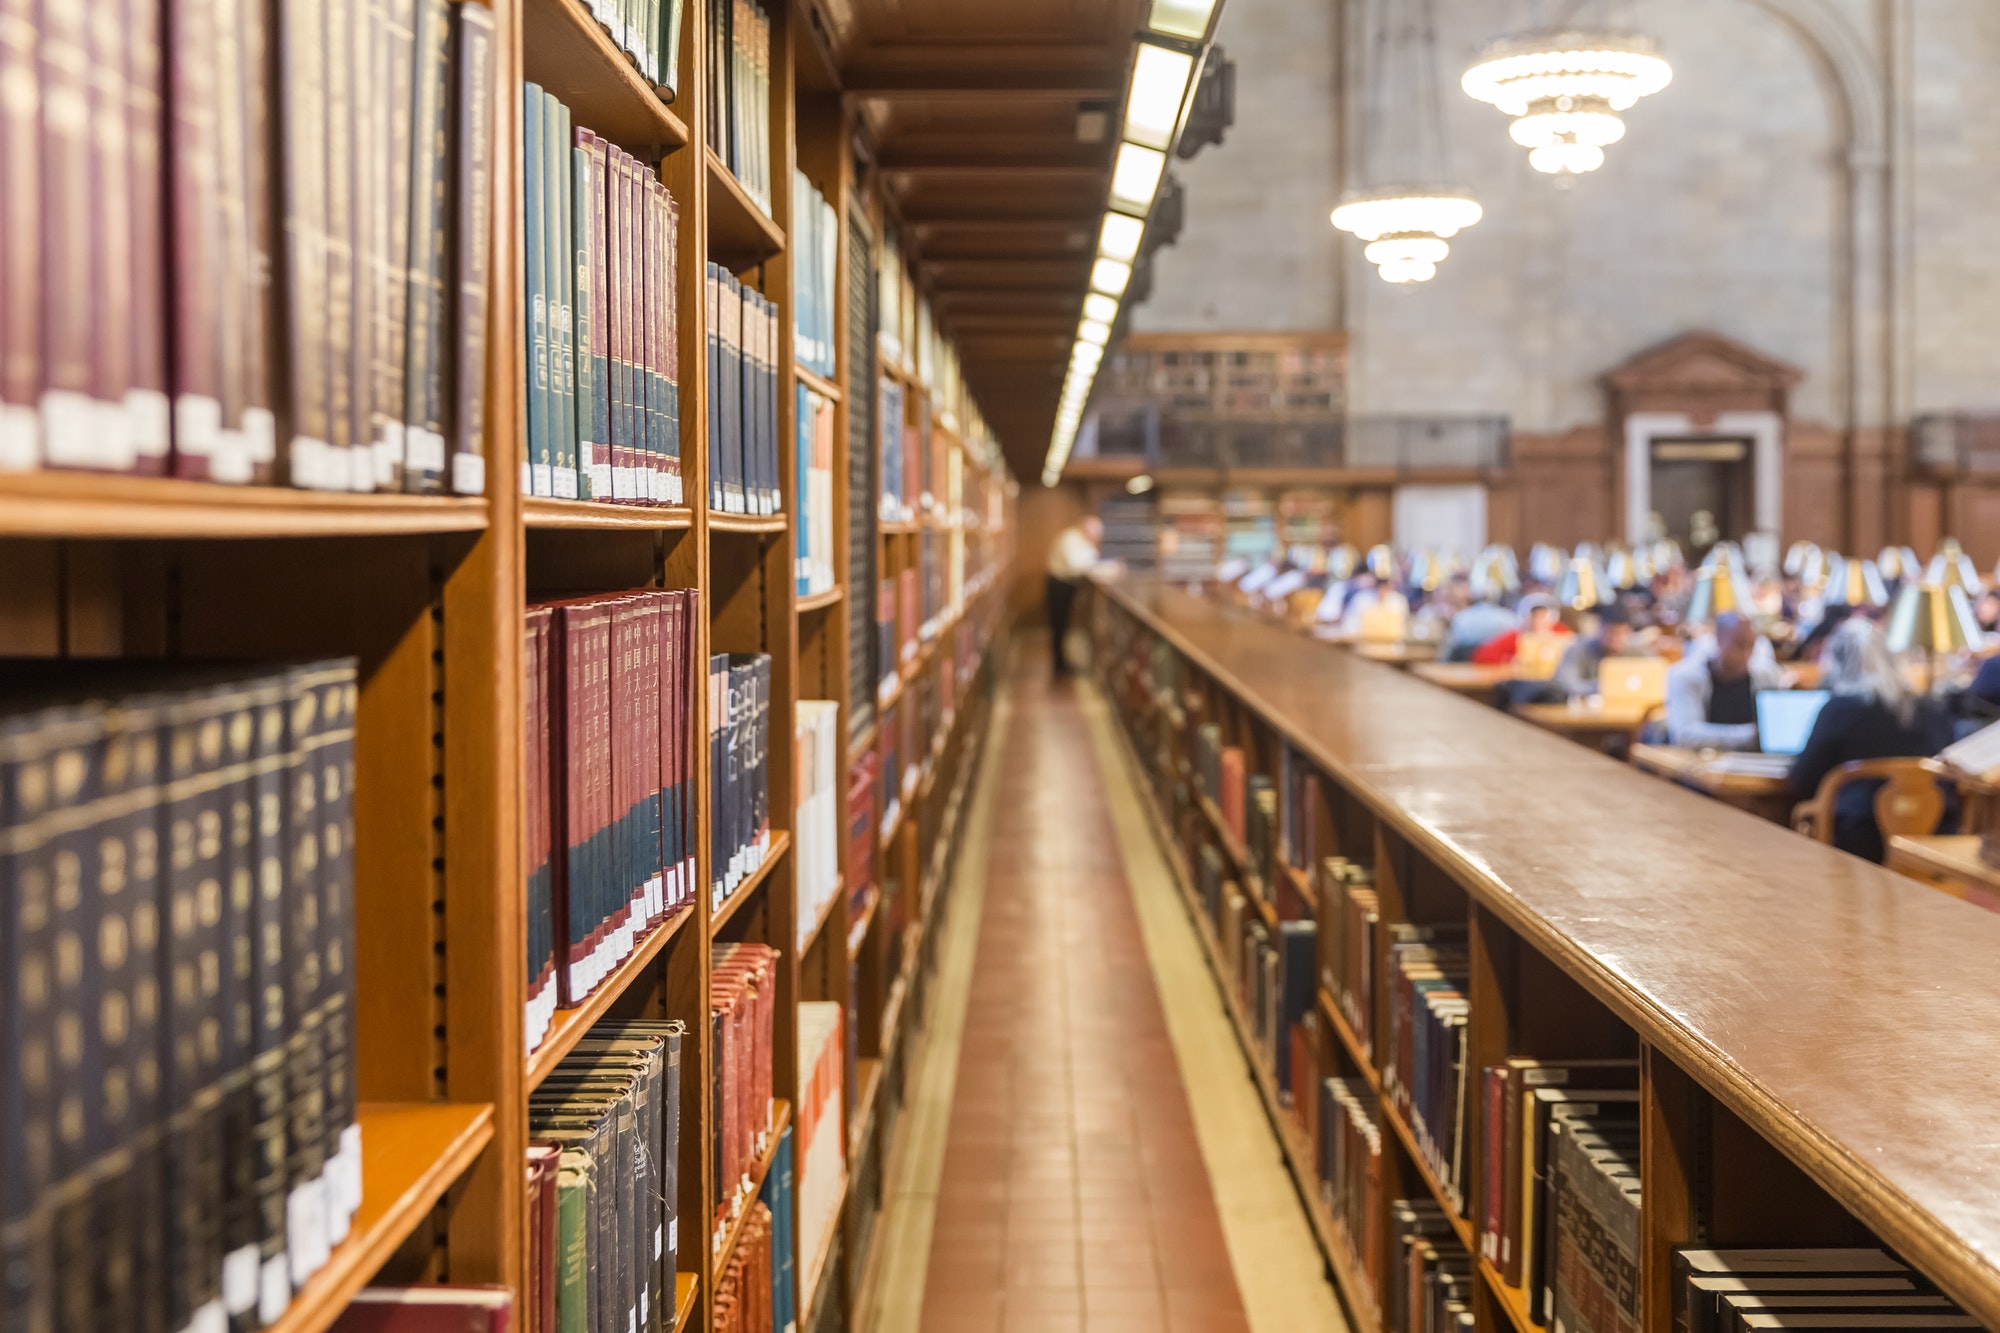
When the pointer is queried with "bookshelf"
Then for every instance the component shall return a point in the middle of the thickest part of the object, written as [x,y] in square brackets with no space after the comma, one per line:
[428,593]
[1788,1012]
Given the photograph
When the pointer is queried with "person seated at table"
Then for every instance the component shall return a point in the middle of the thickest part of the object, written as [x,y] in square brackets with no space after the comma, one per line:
[1872,715]
[1475,627]
[1432,617]
[1536,614]
[1576,675]
[1268,569]
[1987,611]
[1712,690]
[1369,594]
[1341,591]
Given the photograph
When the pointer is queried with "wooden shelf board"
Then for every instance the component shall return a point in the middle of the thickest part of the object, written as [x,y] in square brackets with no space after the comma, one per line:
[565,51]
[569,1025]
[686,1286]
[411,1153]
[1253,883]
[1302,883]
[1350,1040]
[86,504]
[760,524]
[826,912]
[780,841]
[818,601]
[819,384]
[894,824]
[592,515]
[906,528]
[868,1082]
[888,690]
[740,232]
[857,932]
[1459,1225]
[1513,1302]
[723,1241]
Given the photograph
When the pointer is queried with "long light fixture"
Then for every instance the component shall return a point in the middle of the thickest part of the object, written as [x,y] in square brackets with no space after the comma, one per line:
[1166,62]
[1564,91]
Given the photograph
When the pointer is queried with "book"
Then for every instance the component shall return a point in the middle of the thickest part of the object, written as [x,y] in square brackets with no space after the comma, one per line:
[428,1310]
[820,1140]
[1977,756]
[739,804]
[1594,1268]
[816,823]
[742,1011]
[739,58]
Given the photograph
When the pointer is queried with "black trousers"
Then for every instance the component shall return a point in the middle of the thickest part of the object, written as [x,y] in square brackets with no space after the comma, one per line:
[1062,596]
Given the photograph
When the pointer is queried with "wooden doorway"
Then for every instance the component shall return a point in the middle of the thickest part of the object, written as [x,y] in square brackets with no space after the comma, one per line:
[1702,488]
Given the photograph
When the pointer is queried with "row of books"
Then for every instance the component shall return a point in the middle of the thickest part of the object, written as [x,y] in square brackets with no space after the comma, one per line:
[815,250]
[600,247]
[1219,769]
[1425,1076]
[816,831]
[777,1198]
[1430,1287]
[745,1290]
[739,98]
[742,1008]
[604,1181]
[649,33]
[1748,1291]
[742,397]
[1350,916]
[1593,1268]
[610,855]
[429,1310]
[895,505]
[739,743]
[1347,1146]
[296,292]
[177,1102]
[816,534]
[821,1136]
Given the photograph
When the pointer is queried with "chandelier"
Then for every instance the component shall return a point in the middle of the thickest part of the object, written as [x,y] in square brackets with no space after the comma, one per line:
[1406,228]
[1405,224]
[1564,91]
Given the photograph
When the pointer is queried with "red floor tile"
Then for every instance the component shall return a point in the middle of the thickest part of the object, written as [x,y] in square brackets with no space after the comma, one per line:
[1073,1195]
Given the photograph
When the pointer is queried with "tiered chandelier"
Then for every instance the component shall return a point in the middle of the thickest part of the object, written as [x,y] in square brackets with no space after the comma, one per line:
[1564,91]
[1406,224]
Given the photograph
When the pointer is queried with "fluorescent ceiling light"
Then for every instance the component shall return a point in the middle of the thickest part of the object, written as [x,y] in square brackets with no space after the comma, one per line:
[1159,88]
[1136,177]
[1110,276]
[1084,354]
[1120,237]
[1181,18]
[1099,306]
[1094,331]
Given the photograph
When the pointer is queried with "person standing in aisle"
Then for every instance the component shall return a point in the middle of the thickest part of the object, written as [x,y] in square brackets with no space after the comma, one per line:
[1071,560]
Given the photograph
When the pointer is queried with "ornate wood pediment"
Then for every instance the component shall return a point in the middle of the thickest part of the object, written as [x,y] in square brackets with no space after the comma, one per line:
[1700,372]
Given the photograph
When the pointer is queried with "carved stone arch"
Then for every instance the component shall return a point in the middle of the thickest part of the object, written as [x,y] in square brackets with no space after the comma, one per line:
[1843,55]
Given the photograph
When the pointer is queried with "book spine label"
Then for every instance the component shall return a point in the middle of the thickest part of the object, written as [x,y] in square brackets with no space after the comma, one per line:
[473,249]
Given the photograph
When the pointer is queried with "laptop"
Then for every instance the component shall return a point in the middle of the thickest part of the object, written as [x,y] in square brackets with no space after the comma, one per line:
[1633,682]
[1785,718]
[1537,655]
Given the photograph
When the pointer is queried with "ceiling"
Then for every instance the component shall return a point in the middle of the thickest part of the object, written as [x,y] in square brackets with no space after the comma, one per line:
[971,107]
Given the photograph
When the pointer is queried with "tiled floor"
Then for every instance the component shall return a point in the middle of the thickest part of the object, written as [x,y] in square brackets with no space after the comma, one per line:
[1073,1192]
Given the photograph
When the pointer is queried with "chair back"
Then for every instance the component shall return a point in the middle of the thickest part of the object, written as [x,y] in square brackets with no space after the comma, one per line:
[1910,803]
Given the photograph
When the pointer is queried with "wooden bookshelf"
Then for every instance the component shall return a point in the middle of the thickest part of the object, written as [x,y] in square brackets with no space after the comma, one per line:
[428,594]
[410,1155]
[1802,1020]
[724,1238]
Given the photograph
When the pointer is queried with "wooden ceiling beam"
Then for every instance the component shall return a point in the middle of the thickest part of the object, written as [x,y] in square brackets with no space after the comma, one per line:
[961,155]
[1084,71]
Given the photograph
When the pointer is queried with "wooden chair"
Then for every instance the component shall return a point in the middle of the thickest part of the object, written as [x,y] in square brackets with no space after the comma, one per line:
[1910,803]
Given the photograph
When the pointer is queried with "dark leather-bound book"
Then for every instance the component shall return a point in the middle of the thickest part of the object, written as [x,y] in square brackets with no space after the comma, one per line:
[351,464]
[299,91]
[20,239]
[428,1310]
[340,698]
[424,269]
[538,1305]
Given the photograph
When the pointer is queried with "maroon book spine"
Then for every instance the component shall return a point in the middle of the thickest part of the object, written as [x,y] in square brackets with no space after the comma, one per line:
[20,239]
[230,460]
[68,418]
[148,420]
[109,445]
[655,830]
[567,678]
[258,292]
[604,480]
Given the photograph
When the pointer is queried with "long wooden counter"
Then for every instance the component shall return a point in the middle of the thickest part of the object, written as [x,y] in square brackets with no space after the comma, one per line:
[1848,1016]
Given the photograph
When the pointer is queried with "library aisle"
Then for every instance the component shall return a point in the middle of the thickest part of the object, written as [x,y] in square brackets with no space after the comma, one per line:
[1098,1160]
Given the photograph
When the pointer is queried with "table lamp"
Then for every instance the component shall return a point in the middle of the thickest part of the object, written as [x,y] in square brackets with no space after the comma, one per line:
[1429,571]
[1495,576]
[1340,562]
[1718,588]
[1855,583]
[1799,555]
[1584,586]
[1626,570]
[1666,554]
[1935,618]
[1951,565]
[1898,562]
[1545,562]
[1382,562]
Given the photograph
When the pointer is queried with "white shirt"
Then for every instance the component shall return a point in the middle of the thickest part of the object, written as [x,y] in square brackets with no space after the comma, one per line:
[1073,556]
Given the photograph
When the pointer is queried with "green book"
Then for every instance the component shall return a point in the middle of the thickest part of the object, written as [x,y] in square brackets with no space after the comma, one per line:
[573,1222]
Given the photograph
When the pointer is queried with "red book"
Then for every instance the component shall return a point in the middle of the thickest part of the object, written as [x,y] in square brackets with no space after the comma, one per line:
[538,1305]
[69,416]
[20,241]
[428,1310]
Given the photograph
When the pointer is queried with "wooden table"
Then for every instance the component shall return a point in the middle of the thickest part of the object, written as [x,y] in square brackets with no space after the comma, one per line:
[1601,728]
[1404,654]
[1766,795]
[1950,863]
[1475,680]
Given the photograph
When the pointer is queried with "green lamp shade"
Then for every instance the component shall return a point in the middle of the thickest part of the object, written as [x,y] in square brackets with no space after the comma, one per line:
[1855,583]
[1719,588]
[1952,566]
[1340,562]
[1584,586]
